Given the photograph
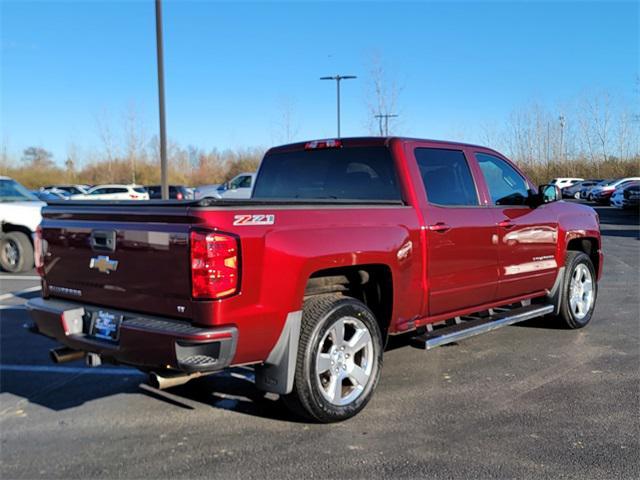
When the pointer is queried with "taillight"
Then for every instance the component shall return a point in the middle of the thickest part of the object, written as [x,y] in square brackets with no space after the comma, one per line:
[179,196]
[132,196]
[214,265]
[38,251]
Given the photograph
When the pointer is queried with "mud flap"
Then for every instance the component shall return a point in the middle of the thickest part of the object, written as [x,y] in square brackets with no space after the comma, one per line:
[554,296]
[277,372]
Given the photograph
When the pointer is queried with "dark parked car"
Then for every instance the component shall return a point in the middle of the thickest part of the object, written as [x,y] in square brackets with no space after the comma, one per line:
[176,192]
[48,196]
[573,191]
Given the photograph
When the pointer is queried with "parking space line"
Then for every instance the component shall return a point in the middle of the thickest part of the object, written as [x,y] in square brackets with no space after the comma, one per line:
[19,277]
[71,370]
[7,296]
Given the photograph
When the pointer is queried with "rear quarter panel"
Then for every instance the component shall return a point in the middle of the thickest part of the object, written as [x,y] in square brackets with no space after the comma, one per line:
[276,261]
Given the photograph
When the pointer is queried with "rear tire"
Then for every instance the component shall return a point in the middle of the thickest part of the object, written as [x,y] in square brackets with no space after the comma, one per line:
[339,359]
[16,252]
[579,291]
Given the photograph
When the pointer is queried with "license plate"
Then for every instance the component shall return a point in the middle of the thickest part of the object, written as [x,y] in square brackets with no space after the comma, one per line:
[106,325]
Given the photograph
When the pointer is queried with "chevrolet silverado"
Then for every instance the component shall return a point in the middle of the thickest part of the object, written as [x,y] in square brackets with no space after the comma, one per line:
[343,244]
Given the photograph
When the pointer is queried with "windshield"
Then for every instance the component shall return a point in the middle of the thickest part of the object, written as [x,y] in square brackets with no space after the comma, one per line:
[12,191]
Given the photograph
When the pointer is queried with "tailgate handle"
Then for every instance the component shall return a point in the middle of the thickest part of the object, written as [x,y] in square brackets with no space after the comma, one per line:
[103,240]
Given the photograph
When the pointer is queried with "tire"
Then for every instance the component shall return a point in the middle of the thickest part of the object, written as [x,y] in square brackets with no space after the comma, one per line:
[16,252]
[576,312]
[316,394]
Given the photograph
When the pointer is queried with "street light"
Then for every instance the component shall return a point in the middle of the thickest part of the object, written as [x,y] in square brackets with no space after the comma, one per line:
[163,129]
[338,78]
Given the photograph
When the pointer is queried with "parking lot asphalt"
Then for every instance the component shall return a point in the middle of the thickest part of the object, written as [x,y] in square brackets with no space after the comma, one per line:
[524,401]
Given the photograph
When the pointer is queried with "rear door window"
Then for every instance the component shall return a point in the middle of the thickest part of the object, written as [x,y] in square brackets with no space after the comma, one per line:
[355,173]
[446,177]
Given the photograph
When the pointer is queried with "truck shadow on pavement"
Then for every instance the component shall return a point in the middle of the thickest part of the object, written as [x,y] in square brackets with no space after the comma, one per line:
[27,374]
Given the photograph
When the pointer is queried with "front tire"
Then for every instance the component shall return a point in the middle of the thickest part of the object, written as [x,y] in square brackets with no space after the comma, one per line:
[16,252]
[339,359]
[579,290]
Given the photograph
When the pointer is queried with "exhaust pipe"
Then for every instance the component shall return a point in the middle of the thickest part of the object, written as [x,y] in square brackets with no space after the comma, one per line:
[65,354]
[162,382]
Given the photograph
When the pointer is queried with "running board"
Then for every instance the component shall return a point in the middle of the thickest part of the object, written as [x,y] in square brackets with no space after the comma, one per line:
[476,326]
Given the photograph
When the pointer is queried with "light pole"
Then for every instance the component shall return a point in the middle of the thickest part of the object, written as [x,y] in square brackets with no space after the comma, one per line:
[338,78]
[386,117]
[561,118]
[163,129]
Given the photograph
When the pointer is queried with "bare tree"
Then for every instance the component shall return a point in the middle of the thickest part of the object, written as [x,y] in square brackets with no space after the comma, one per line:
[105,134]
[381,98]
[37,157]
[597,124]
[134,139]
[287,124]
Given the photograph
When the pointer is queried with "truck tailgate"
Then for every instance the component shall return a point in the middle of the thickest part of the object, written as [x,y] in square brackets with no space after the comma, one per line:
[133,258]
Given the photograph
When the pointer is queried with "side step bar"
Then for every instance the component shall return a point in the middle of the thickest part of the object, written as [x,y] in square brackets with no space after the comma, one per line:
[469,328]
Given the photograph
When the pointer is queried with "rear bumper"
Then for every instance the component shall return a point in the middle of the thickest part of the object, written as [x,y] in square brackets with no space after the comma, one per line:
[144,341]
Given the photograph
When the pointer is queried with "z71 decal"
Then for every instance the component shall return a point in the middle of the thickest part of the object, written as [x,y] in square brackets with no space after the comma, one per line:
[267,219]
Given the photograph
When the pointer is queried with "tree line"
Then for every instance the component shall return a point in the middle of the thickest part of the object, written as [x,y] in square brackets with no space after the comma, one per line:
[594,136]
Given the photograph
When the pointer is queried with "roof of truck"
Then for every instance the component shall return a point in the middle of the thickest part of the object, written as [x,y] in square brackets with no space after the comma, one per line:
[372,141]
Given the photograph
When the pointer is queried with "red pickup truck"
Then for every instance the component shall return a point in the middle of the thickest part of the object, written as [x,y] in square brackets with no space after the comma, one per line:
[343,244]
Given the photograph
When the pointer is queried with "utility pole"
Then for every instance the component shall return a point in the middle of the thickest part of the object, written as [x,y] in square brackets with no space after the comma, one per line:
[338,78]
[386,117]
[163,128]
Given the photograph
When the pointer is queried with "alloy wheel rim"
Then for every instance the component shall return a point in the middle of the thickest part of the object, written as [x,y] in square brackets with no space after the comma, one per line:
[11,253]
[581,291]
[344,361]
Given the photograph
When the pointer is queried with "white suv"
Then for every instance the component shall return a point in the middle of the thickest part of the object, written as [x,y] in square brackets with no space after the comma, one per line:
[564,182]
[20,214]
[114,192]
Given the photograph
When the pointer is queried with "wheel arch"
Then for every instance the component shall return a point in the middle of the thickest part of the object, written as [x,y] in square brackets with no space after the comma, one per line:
[12,227]
[372,284]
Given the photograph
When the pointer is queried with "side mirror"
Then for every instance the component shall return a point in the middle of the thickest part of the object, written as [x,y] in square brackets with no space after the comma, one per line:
[548,194]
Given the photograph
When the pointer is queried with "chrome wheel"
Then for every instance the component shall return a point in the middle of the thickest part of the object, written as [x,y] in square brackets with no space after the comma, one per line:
[11,252]
[581,291]
[344,361]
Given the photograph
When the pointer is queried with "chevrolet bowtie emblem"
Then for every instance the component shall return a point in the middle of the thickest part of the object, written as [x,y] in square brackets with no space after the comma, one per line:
[103,264]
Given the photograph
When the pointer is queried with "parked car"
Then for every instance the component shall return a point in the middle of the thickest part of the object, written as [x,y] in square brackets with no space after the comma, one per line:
[176,192]
[19,217]
[239,186]
[565,182]
[208,191]
[625,195]
[70,189]
[114,192]
[344,243]
[603,193]
[62,194]
[573,191]
[585,192]
[48,195]
[632,196]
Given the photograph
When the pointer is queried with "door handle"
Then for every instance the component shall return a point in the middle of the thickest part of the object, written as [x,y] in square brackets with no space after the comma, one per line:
[506,224]
[439,227]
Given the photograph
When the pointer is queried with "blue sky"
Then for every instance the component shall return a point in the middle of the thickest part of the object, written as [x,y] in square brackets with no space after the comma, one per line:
[230,66]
